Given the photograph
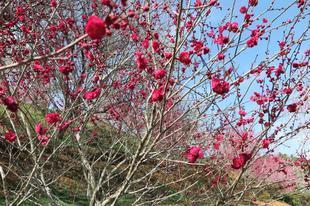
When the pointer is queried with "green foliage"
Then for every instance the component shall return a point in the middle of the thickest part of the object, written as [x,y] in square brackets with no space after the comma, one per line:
[66,199]
[301,199]
[69,199]
[1,110]
[178,198]
[125,200]
[107,138]
[265,195]
[36,114]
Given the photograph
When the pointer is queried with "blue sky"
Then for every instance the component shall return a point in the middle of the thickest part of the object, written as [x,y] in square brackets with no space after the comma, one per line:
[245,60]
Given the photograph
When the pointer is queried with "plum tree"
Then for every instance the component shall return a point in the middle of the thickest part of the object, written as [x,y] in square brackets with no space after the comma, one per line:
[189,101]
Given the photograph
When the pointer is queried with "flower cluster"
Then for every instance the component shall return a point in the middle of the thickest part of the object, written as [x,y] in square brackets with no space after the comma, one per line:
[240,160]
[93,94]
[220,86]
[185,58]
[193,153]
[52,118]
[10,103]
[10,136]
[95,27]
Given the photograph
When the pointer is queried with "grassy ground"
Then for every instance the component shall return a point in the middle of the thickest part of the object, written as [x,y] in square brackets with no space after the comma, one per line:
[70,186]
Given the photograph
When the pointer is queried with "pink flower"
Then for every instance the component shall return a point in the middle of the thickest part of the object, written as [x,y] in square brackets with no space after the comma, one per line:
[242,112]
[232,26]
[52,118]
[279,70]
[296,65]
[240,160]
[124,2]
[185,58]
[109,3]
[259,98]
[292,107]
[135,37]
[131,13]
[219,85]
[95,27]
[244,136]
[146,7]
[53,3]
[160,73]
[198,46]
[39,129]
[156,46]
[43,139]
[193,153]
[300,3]
[114,114]
[65,70]
[19,11]
[10,136]
[10,103]
[37,67]
[110,19]
[253,2]
[220,56]
[287,90]
[93,94]
[218,139]
[157,95]
[198,3]
[266,142]
[243,10]
[212,2]
[221,40]
[141,61]
[64,125]
[168,55]
[216,145]
[106,2]
[2,91]
[145,43]
[252,41]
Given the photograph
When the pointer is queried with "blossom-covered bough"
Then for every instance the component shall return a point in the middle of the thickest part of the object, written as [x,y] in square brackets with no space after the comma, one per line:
[153,102]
